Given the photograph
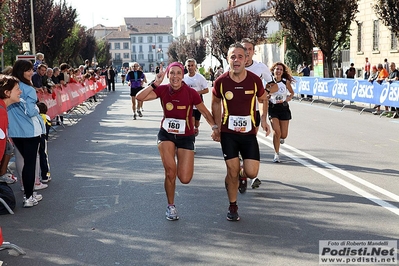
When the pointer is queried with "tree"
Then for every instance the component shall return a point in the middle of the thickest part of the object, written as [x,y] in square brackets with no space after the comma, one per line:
[69,52]
[325,28]
[294,28]
[103,54]
[232,26]
[89,47]
[53,24]
[182,48]
[388,12]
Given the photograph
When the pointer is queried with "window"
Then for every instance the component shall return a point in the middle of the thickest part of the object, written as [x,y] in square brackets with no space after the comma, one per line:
[117,56]
[117,46]
[140,48]
[160,38]
[133,39]
[376,35]
[394,41]
[125,55]
[149,39]
[133,49]
[359,36]
[134,57]
[125,45]
[160,56]
[140,39]
[170,38]
[141,57]
[150,48]
[150,58]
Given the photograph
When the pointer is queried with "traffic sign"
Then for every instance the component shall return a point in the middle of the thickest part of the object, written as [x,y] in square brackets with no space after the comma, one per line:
[25,57]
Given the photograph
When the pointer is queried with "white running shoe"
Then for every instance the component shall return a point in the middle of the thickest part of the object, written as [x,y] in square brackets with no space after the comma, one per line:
[30,202]
[171,213]
[40,186]
[276,158]
[282,141]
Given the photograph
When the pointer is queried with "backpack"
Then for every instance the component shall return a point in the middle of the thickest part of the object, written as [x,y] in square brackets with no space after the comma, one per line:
[7,194]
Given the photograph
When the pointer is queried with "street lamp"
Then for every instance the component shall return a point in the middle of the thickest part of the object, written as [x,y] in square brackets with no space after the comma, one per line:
[33,28]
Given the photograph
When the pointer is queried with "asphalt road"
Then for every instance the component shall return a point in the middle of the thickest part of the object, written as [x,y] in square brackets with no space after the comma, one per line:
[106,202]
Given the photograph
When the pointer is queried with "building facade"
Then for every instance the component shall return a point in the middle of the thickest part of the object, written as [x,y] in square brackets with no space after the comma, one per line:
[371,38]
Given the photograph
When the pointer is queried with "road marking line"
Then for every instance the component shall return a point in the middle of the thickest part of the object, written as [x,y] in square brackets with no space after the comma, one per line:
[338,180]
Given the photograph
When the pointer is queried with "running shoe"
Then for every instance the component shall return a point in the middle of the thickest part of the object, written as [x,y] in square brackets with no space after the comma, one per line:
[8,178]
[171,213]
[40,186]
[242,187]
[30,202]
[282,141]
[140,114]
[232,214]
[255,183]
[276,158]
[134,116]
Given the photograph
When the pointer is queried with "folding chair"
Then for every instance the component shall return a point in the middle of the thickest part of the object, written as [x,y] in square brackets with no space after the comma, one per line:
[8,245]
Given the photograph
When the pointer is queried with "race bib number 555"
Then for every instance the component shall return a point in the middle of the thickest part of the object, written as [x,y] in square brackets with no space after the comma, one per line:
[240,123]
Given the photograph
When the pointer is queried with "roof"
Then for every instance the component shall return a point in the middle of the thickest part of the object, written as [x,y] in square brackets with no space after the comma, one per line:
[119,35]
[149,25]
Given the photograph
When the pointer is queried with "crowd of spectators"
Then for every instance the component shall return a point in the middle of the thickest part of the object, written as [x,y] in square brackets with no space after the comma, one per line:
[28,124]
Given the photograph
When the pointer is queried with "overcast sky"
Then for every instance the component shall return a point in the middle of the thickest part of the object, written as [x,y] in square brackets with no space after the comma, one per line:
[111,12]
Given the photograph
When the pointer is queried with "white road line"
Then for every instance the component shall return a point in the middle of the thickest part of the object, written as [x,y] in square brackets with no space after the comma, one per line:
[338,180]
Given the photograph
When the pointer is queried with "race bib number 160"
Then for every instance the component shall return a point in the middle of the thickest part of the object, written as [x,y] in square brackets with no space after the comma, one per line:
[240,123]
[174,126]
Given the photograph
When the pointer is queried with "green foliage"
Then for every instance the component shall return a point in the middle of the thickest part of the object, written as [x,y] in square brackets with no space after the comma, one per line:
[232,26]
[181,49]
[317,23]
[292,58]
[89,47]
[69,52]
[388,12]
[53,24]
[103,54]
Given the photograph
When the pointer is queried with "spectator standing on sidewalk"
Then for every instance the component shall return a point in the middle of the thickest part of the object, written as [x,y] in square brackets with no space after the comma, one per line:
[25,128]
[176,135]
[237,90]
[43,154]
[9,94]
[367,67]
[351,72]
[111,78]
[305,71]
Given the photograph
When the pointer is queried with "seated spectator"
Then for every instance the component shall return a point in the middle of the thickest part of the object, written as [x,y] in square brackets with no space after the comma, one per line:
[373,74]
[382,75]
[393,76]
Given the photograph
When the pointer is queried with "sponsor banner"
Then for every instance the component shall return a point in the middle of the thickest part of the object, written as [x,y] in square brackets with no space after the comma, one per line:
[66,97]
[346,252]
[356,90]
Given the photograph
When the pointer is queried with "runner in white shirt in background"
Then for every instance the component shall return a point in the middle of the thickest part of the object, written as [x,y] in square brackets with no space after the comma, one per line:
[263,71]
[200,84]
